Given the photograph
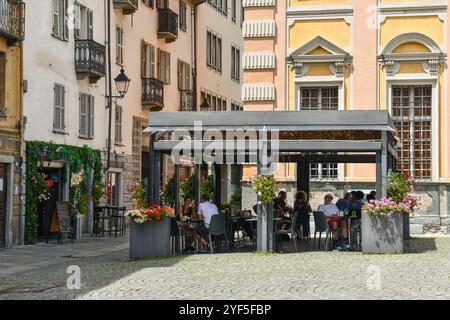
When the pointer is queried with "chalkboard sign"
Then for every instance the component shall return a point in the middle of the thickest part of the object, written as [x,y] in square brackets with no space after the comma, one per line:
[61,221]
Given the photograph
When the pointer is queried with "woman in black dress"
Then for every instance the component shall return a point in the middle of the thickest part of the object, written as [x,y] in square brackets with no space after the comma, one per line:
[303,210]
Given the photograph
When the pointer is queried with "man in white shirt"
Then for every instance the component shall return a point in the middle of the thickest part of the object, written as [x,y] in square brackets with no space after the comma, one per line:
[331,211]
[206,210]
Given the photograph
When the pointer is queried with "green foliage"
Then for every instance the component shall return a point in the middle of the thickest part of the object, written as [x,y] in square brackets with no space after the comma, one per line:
[168,194]
[399,185]
[187,188]
[207,188]
[39,155]
[226,205]
[236,196]
[266,187]
[138,194]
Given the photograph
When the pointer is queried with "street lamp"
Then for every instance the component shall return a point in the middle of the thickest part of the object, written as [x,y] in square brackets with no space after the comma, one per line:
[204,106]
[122,83]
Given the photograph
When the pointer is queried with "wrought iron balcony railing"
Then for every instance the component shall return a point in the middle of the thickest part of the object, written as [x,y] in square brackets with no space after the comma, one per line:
[90,59]
[167,25]
[186,100]
[153,93]
[12,20]
[127,6]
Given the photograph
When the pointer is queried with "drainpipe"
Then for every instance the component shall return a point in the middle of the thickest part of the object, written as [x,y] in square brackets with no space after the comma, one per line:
[109,83]
[22,155]
[194,69]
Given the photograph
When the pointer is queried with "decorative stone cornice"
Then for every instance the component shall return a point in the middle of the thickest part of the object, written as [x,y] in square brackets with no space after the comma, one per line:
[258,3]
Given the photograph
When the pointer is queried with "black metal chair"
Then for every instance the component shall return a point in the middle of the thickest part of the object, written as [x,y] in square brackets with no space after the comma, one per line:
[175,239]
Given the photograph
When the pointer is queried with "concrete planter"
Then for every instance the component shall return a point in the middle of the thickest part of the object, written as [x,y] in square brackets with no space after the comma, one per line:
[382,234]
[150,239]
[264,231]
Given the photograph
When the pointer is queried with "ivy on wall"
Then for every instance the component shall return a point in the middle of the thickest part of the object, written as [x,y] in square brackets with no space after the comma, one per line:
[80,159]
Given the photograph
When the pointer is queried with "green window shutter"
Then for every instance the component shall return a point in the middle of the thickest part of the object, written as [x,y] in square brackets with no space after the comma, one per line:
[91,116]
[83,115]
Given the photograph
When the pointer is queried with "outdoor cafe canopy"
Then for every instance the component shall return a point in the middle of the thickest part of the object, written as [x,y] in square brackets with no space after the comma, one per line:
[303,137]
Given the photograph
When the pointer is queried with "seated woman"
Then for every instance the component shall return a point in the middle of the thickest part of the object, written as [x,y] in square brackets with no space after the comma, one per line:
[187,211]
[187,208]
[303,209]
[280,206]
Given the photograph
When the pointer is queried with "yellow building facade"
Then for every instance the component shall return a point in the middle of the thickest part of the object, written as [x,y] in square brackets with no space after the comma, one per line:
[367,55]
[11,36]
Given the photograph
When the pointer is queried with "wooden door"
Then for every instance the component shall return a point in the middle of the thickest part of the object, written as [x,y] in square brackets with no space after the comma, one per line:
[3,198]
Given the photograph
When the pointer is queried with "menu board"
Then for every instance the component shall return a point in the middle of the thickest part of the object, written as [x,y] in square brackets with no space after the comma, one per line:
[61,221]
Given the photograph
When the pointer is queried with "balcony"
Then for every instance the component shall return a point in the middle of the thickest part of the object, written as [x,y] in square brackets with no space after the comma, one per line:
[12,20]
[89,60]
[127,6]
[167,25]
[186,100]
[153,93]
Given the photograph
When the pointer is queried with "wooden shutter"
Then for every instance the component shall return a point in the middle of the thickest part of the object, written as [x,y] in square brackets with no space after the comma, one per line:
[83,115]
[91,116]
[167,67]
[219,53]
[159,65]
[56,108]
[238,64]
[56,17]
[233,62]
[152,61]
[208,49]
[90,24]
[180,74]
[77,19]
[66,20]
[143,59]
[188,77]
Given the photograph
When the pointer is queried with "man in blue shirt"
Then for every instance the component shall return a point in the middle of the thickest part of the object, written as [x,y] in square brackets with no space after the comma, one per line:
[345,202]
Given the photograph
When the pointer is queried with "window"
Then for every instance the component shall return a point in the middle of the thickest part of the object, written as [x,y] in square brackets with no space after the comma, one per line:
[236,106]
[182,16]
[220,5]
[214,51]
[2,83]
[411,112]
[164,66]
[119,45]
[60,28]
[59,97]
[162,4]
[321,98]
[86,116]
[184,75]
[233,10]
[118,125]
[235,63]
[148,60]
[83,22]
[150,3]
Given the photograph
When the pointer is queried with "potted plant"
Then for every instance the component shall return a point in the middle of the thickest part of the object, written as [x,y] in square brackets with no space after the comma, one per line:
[266,188]
[382,223]
[149,227]
[236,198]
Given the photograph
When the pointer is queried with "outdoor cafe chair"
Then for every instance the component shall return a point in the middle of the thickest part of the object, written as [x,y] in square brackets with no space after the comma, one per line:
[218,227]
[321,226]
[292,232]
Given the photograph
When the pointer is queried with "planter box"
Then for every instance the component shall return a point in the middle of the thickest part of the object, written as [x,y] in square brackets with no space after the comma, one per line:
[406,227]
[150,239]
[78,227]
[382,234]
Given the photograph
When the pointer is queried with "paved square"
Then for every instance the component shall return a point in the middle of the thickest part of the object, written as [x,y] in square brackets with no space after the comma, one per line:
[39,272]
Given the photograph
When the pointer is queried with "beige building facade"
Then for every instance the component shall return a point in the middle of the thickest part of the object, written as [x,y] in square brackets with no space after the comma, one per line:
[360,55]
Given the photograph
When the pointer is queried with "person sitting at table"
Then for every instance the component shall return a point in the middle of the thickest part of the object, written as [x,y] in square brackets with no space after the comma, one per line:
[280,206]
[303,210]
[206,210]
[331,211]
[357,204]
[187,208]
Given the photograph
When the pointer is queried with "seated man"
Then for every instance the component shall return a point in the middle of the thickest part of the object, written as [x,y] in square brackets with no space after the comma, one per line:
[280,206]
[331,211]
[344,203]
[206,210]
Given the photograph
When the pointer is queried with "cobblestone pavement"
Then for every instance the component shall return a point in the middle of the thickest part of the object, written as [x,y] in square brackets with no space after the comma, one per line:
[106,273]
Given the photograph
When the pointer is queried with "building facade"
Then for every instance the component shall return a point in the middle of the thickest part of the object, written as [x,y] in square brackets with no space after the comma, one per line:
[363,55]
[12,32]
[65,69]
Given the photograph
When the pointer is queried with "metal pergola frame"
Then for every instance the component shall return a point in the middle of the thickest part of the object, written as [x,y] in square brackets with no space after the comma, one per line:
[304,137]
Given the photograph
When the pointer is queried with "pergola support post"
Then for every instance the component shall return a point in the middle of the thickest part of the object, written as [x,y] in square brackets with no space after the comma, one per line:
[382,167]
[303,176]
[265,229]
[197,180]
[217,184]
[177,190]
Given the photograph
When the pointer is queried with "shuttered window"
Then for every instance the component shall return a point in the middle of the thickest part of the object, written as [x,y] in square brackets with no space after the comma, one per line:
[118,125]
[164,66]
[60,28]
[119,45]
[214,51]
[235,63]
[59,96]
[148,60]
[182,15]
[184,75]
[86,116]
